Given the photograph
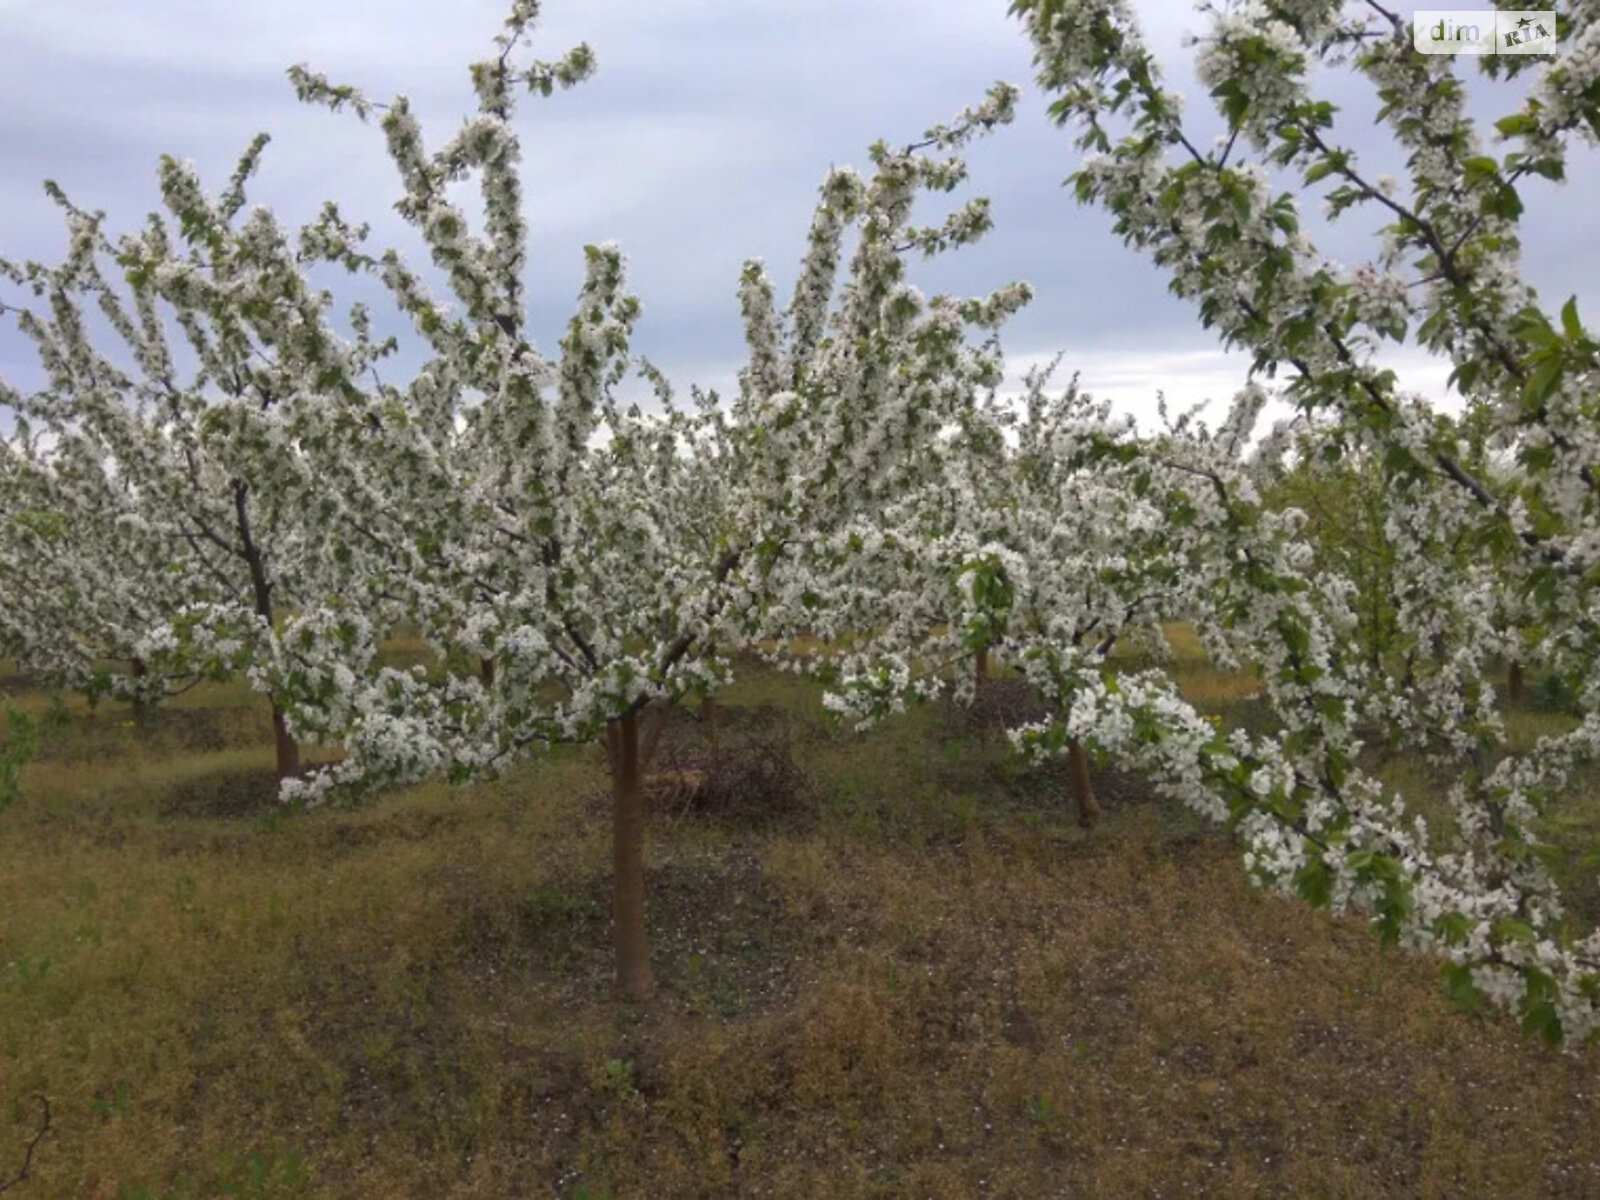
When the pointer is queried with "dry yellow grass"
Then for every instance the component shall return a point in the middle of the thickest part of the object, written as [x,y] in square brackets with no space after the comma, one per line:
[942,987]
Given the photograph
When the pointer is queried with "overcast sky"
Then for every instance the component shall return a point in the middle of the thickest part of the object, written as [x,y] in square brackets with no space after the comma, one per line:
[700,143]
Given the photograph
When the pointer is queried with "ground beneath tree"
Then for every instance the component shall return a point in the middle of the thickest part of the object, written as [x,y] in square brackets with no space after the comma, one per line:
[928,981]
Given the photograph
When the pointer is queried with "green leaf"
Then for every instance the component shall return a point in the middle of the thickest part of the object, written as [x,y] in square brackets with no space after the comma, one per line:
[1463,993]
[1511,929]
[1542,1019]
[1503,202]
[1515,124]
[1542,382]
[1534,327]
[1539,1011]
[1569,319]
[1314,883]
[1321,170]
[1464,376]
[1453,927]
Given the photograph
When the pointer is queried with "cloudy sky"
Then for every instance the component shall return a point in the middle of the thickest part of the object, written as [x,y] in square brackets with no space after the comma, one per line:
[700,143]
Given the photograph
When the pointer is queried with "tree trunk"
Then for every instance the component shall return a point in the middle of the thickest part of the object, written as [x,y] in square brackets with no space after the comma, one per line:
[1515,688]
[288,749]
[627,863]
[143,711]
[1082,789]
[486,671]
[261,585]
[980,671]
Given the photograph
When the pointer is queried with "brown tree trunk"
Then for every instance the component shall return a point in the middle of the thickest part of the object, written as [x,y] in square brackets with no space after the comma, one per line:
[1516,684]
[634,981]
[142,709]
[288,749]
[1082,789]
[980,671]
[486,671]
[261,585]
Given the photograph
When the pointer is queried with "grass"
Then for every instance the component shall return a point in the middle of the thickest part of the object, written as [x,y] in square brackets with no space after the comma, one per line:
[937,985]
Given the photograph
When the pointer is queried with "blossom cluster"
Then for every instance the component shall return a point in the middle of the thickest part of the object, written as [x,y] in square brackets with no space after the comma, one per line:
[1489,535]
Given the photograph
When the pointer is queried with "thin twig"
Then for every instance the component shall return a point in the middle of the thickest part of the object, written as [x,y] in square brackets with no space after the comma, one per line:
[27,1158]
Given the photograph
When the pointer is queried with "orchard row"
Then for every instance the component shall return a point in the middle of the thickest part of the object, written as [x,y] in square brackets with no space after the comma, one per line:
[236,488]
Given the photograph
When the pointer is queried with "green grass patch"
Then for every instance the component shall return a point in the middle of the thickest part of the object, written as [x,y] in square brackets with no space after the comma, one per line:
[938,986]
